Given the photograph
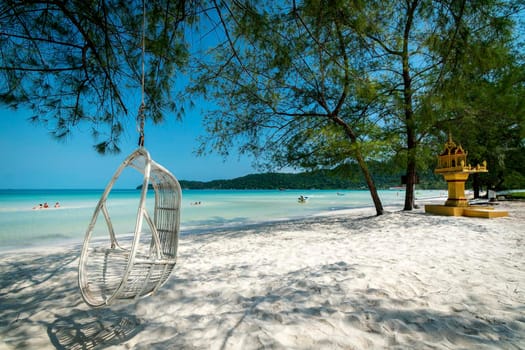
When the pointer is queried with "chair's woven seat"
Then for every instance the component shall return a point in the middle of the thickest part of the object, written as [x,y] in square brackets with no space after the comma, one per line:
[107,271]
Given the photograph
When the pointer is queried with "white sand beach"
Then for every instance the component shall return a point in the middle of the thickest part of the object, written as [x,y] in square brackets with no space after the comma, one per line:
[351,280]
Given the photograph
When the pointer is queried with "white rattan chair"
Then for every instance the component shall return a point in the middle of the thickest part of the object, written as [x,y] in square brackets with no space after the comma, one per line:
[108,271]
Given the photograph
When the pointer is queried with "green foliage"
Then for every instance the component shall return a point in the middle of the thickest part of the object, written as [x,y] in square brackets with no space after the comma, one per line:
[279,92]
[311,84]
[513,180]
[291,89]
[485,112]
[321,83]
[516,195]
[74,62]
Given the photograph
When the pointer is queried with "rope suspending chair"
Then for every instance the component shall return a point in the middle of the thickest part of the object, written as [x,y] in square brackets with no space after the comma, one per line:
[114,269]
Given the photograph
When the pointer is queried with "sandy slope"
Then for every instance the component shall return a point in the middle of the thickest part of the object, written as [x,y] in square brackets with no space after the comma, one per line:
[348,281]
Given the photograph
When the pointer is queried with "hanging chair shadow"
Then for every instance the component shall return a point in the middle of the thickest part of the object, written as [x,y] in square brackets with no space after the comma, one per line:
[110,270]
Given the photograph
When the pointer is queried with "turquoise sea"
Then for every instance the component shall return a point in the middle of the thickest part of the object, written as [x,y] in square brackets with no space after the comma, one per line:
[21,226]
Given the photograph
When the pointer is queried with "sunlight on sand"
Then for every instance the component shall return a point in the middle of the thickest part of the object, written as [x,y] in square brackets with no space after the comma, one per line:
[350,280]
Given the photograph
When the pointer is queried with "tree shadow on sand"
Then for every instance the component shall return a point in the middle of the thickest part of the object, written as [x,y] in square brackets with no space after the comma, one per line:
[39,293]
[373,314]
[307,309]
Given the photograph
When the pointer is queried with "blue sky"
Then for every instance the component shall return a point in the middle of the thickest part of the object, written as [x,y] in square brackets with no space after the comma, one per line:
[32,159]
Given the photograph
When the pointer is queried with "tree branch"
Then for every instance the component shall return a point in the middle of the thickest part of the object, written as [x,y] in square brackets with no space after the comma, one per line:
[103,65]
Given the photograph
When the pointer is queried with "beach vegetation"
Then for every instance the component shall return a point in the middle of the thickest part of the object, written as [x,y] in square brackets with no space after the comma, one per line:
[327,83]
[517,195]
[73,63]
[478,101]
[356,87]
[455,55]
[290,90]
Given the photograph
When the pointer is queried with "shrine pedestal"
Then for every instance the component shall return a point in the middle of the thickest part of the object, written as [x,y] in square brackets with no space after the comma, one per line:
[444,210]
[456,189]
[486,212]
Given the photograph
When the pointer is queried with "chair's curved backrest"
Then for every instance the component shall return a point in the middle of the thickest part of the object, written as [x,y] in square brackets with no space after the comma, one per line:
[109,270]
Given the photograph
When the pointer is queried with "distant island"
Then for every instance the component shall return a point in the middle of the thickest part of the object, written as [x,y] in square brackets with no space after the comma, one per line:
[270,181]
[320,179]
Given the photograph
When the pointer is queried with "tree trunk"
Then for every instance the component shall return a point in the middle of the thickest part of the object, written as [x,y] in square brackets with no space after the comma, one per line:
[476,185]
[409,112]
[362,164]
[411,159]
[370,183]
[411,180]
[411,143]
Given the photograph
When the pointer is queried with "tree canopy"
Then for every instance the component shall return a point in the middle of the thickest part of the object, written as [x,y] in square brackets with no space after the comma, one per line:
[74,62]
[295,93]
[305,84]
[325,82]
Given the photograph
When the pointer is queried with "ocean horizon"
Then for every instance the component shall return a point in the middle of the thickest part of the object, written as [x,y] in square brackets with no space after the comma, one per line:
[24,225]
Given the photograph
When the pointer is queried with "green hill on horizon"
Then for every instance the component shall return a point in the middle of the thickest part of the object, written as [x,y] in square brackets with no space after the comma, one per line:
[320,179]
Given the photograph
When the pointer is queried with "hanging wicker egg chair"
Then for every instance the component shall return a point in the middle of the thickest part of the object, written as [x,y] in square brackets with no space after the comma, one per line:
[111,271]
